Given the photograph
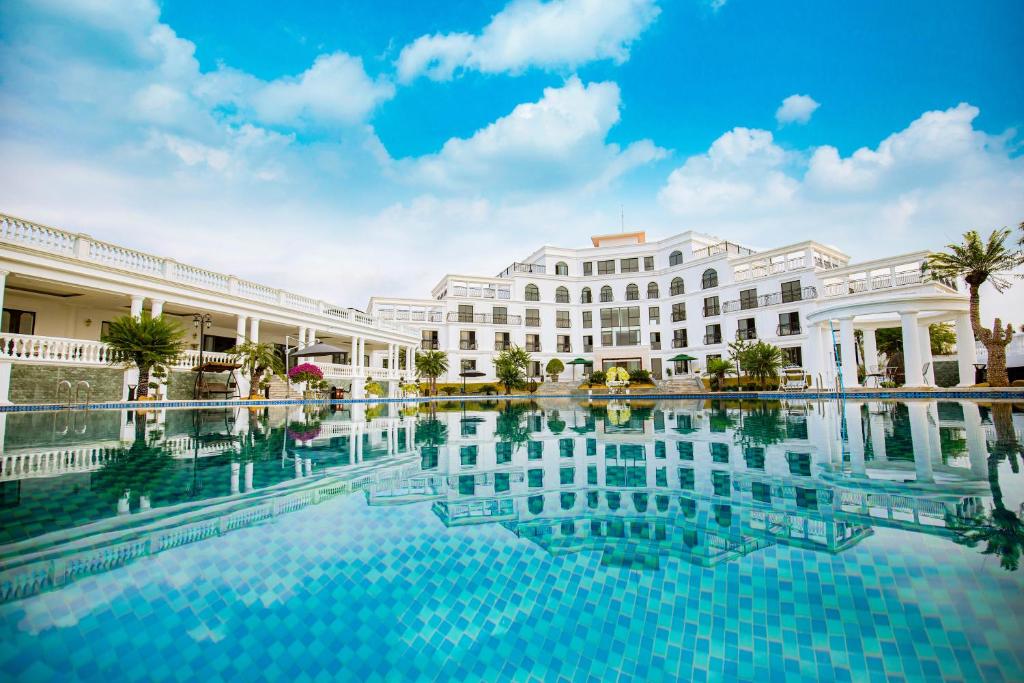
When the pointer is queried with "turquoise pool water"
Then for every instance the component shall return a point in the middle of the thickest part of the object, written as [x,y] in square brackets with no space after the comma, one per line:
[548,541]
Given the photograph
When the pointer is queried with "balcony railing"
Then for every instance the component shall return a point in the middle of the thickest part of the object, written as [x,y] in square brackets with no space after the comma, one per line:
[429,345]
[527,268]
[746,333]
[722,248]
[678,343]
[532,322]
[863,282]
[84,249]
[770,300]
[484,318]
[787,329]
[712,339]
[563,324]
[416,316]
[533,348]
[678,317]
[467,345]
[711,310]
[587,348]
[502,346]
[655,346]
[563,348]
[479,292]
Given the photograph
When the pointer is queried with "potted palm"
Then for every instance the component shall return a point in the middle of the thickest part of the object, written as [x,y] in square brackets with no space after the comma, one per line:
[144,342]
[257,360]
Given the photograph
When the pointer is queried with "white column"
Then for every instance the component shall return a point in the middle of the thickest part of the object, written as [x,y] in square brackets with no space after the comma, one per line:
[876,422]
[925,340]
[301,341]
[849,353]
[3,285]
[254,329]
[136,309]
[911,350]
[870,350]
[247,482]
[966,353]
[311,335]
[236,469]
[156,308]
[977,447]
[5,383]
[919,437]
[240,329]
[855,437]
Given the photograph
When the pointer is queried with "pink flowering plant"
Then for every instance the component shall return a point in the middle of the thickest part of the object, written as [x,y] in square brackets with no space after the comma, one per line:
[305,372]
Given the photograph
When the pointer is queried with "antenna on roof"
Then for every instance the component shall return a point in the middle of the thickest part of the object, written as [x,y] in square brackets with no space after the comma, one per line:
[622,217]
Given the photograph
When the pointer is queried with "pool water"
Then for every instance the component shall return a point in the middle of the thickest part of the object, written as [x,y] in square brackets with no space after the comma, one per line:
[548,541]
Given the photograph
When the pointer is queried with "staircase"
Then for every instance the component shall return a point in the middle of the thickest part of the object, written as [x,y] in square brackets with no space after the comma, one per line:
[279,389]
[681,385]
[556,388]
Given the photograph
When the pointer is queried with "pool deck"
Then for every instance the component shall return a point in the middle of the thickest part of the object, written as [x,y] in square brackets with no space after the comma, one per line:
[981,393]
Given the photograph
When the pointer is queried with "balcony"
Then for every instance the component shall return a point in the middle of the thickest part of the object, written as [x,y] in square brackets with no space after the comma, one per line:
[722,248]
[532,322]
[484,318]
[901,271]
[467,345]
[746,334]
[563,324]
[712,339]
[502,345]
[523,268]
[680,317]
[787,329]
[679,343]
[563,348]
[772,299]
[428,345]
[533,347]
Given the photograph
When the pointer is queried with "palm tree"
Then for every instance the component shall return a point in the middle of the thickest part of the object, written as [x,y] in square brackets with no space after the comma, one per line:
[762,360]
[256,359]
[979,261]
[144,342]
[717,368]
[431,365]
[510,367]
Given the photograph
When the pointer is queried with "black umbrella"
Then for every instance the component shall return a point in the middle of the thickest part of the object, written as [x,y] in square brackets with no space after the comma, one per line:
[319,349]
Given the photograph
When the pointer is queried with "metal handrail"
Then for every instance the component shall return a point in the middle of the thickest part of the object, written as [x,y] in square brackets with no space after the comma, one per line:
[60,385]
[78,393]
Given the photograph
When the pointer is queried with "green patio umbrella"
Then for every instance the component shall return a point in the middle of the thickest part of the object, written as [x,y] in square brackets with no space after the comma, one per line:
[578,361]
[679,358]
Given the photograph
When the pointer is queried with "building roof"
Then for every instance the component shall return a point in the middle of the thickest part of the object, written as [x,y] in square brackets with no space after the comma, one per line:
[619,239]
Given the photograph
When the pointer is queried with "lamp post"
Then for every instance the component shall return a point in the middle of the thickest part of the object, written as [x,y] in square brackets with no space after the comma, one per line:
[200,323]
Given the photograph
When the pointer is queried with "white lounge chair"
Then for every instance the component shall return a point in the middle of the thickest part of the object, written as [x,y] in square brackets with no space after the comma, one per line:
[793,379]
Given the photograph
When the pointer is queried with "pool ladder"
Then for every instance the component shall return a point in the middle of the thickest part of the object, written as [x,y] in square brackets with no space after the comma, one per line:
[79,385]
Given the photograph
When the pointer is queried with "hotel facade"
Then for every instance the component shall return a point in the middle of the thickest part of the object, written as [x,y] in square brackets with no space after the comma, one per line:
[628,302]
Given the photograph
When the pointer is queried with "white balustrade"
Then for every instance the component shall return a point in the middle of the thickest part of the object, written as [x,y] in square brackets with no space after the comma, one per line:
[38,349]
[126,259]
[190,358]
[252,290]
[202,277]
[36,236]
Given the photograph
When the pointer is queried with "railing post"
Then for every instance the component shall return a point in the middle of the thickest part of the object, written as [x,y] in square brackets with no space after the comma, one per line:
[169,269]
[82,242]
[232,284]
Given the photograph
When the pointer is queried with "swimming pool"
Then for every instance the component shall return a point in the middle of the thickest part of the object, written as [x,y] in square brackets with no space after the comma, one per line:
[514,540]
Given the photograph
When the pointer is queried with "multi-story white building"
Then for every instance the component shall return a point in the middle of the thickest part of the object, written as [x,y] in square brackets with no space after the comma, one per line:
[628,302]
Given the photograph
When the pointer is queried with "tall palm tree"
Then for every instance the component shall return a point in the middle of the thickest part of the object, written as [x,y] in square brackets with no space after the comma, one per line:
[431,365]
[762,360]
[144,342]
[257,359]
[979,261]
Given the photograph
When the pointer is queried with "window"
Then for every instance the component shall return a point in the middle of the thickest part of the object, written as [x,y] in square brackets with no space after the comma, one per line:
[789,323]
[606,267]
[563,344]
[465,313]
[588,343]
[503,452]
[19,322]
[746,329]
[709,279]
[533,317]
[620,326]
[654,314]
[677,287]
[711,306]
[588,318]
[679,340]
[713,335]
[791,292]
[561,268]
[652,290]
[648,263]
[468,364]
[499,314]
[629,265]
[562,295]
[533,369]
[467,340]
[719,452]
[502,341]
[588,268]
[632,292]
[532,293]
[533,343]
[468,456]
[586,296]
[656,341]
[562,319]
[428,340]
[748,299]
[606,294]
[678,312]
[675,258]
[793,355]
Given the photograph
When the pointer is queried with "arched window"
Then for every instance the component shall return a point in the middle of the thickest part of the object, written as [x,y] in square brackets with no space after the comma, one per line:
[532,293]
[586,297]
[675,258]
[632,292]
[709,279]
[562,295]
[561,268]
[677,286]
[652,290]
[606,293]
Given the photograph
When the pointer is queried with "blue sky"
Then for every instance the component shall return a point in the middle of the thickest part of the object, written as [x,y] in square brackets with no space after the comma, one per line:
[397,136]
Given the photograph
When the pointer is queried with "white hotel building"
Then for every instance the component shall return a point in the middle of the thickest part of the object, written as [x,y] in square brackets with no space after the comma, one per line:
[625,301]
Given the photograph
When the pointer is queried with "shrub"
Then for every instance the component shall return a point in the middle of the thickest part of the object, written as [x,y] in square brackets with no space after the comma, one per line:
[375,389]
[640,375]
[554,368]
[449,390]
[596,377]
[305,372]
[488,389]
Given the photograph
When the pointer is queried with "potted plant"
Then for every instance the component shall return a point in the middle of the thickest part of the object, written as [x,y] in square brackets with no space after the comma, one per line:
[616,378]
[375,389]
[258,360]
[144,342]
[554,368]
[306,373]
[158,381]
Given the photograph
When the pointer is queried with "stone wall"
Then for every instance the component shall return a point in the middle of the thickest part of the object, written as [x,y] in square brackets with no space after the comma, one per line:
[181,385]
[38,383]
[947,373]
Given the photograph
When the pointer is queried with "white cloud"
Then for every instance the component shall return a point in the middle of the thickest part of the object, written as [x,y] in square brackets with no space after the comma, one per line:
[796,109]
[555,34]
[556,141]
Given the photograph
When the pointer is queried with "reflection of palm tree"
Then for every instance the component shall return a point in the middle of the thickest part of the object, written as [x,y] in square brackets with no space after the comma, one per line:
[139,469]
[555,423]
[510,426]
[1002,531]
[431,432]
[761,426]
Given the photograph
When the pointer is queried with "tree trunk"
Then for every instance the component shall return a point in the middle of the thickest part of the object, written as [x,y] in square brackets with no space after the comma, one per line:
[975,308]
[143,389]
[997,376]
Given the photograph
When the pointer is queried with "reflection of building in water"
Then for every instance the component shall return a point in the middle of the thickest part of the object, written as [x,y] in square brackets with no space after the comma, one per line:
[704,485]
